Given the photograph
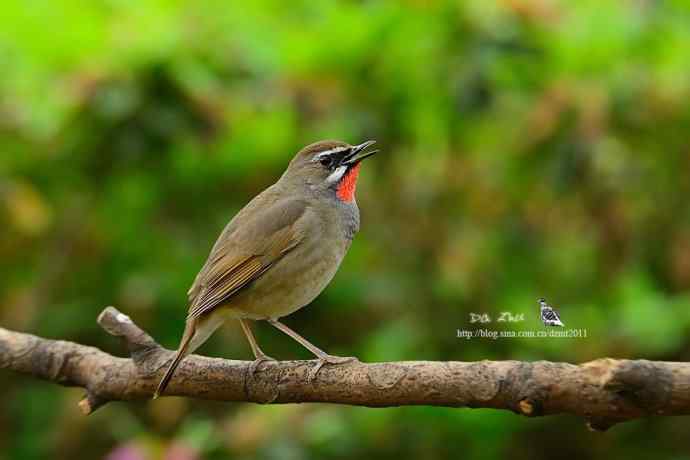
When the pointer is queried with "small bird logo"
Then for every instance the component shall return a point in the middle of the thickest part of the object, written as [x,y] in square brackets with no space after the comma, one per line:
[549,316]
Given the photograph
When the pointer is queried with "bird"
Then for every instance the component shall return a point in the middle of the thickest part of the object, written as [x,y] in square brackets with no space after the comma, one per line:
[549,316]
[279,252]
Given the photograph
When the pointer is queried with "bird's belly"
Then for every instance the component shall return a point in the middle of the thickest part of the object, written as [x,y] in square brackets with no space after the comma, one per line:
[293,282]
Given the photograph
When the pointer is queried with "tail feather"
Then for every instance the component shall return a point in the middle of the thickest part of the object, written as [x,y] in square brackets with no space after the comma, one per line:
[182,352]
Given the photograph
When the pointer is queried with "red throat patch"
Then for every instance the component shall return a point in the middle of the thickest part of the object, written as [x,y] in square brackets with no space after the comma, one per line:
[348,184]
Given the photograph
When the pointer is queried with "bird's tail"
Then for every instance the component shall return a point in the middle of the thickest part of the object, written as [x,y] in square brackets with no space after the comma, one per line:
[182,351]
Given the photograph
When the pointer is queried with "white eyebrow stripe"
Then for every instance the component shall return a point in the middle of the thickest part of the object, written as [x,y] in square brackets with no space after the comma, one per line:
[336,175]
[320,155]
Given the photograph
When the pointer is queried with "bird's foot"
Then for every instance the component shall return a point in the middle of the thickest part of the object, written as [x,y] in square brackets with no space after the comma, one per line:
[328,359]
[257,362]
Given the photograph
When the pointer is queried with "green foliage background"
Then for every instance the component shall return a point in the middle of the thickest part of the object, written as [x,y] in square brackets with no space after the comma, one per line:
[529,148]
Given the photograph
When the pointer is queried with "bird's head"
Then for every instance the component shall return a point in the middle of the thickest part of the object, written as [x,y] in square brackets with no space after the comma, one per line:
[330,166]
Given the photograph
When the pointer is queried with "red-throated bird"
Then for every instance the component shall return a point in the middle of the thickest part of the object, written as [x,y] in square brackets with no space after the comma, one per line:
[279,252]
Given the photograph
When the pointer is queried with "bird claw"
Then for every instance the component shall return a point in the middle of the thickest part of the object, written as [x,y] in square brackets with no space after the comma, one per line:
[253,367]
[328,359]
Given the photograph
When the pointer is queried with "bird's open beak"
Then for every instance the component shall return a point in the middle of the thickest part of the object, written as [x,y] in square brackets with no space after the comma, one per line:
[358,153]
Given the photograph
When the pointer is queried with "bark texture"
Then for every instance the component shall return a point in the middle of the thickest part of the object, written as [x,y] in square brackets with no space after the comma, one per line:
[604,392]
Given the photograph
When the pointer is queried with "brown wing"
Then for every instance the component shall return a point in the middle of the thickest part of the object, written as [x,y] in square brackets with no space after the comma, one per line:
[246,249]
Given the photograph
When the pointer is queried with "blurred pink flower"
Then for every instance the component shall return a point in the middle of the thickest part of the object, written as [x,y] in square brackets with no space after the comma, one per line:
[126,452]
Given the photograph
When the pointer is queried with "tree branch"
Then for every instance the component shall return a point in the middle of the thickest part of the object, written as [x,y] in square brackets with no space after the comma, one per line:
[604,392]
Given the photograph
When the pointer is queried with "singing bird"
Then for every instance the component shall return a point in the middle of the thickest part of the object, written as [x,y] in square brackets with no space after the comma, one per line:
[279,252]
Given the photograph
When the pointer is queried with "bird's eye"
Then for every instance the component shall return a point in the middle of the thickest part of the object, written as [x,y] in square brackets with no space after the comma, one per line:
[326,161]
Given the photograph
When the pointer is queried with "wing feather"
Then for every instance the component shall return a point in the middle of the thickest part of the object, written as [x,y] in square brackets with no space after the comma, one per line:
[243,255]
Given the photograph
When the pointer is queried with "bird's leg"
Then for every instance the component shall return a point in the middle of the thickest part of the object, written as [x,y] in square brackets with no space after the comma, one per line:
[259,355]
[323,357]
